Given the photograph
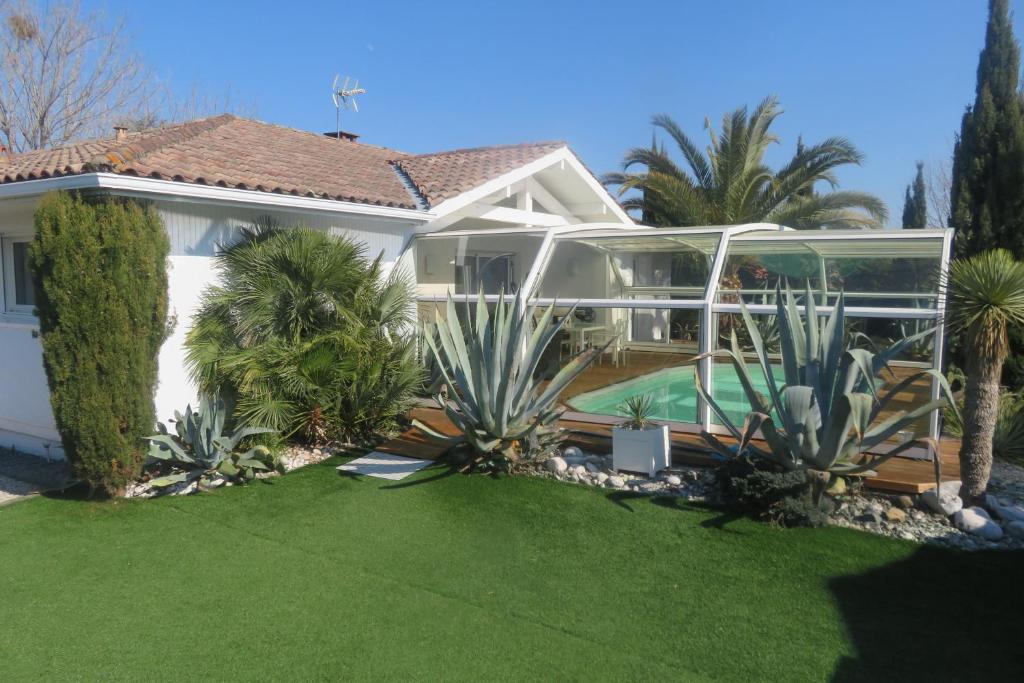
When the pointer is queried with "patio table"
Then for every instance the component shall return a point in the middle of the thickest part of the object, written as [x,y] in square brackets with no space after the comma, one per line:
[578,334]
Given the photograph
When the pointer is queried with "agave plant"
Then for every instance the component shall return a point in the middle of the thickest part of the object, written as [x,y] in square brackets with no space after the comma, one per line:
[501,409]
[828,414]
[200,447]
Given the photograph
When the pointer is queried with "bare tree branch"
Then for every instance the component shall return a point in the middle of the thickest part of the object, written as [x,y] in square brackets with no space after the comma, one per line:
[938,183]
[64,74]
[166,106]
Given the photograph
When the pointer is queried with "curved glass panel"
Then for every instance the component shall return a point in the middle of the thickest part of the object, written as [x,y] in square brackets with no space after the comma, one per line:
[647,266]
[873,271]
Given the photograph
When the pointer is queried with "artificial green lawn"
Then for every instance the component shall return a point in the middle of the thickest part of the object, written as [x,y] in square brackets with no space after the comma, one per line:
[316,575]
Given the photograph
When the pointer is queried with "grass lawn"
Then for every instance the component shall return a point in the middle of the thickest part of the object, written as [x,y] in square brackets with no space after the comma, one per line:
[314,576]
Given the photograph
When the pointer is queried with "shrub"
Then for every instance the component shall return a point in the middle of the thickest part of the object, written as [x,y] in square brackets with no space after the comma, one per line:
[765,491]
[305,336]
[99,266]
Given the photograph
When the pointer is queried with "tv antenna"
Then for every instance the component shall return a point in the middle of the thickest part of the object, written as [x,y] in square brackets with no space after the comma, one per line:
[344,97]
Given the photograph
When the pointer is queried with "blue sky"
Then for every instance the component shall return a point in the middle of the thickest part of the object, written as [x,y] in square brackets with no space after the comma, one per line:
[894,77]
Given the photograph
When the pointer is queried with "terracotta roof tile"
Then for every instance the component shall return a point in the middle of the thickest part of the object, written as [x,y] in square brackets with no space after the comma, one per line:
[233,152]
[443,175]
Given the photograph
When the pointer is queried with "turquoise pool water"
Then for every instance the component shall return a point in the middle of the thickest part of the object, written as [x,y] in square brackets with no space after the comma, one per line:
[675,393]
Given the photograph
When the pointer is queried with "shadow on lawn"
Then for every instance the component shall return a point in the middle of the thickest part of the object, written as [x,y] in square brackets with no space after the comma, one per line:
[936,615]
[623,498]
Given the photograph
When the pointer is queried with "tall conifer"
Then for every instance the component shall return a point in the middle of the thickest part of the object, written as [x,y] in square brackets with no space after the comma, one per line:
[915,205]
[987,193]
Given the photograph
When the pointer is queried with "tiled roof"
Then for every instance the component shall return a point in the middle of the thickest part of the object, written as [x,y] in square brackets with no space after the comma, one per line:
[442,175]
[228,151]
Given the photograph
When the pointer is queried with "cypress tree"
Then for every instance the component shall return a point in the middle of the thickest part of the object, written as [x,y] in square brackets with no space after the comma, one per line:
[99,268]
[987,193]
[915,205]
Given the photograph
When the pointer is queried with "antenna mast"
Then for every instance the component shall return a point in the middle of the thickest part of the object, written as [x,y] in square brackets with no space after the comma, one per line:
[344,97]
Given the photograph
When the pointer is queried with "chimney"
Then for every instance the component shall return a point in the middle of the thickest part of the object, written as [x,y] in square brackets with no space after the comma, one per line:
[342,135]
[120,132]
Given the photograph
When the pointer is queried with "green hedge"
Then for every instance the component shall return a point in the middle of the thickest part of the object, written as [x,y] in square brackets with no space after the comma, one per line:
[99,266]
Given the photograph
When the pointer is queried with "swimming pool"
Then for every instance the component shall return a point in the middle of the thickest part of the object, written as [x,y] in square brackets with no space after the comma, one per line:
[675,394]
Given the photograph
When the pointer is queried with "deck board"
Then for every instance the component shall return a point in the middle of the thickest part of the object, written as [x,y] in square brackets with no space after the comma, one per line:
[898,475]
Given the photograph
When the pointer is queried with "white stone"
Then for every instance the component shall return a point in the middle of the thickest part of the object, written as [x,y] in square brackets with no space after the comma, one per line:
[578,470]
[187,489]
[601,477]
[616,482]
[1016,529]
[951,488]
[673,480]
[556,465]
[974,520]
[944,503]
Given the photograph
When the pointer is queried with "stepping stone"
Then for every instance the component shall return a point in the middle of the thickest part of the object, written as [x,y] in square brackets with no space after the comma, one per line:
[384,466]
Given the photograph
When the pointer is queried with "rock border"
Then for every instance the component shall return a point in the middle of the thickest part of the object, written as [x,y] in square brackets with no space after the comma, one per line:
[930,518]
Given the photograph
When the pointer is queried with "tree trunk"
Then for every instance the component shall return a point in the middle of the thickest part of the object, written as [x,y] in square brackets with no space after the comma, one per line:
[981,410]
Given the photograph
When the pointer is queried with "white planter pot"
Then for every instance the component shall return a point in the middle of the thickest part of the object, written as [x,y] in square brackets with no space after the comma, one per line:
[641,450]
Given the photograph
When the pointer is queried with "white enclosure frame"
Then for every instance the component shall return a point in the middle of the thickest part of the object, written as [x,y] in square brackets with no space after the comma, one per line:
[707,304]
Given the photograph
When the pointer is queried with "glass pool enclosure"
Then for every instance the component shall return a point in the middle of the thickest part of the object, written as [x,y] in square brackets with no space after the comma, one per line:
[664,296]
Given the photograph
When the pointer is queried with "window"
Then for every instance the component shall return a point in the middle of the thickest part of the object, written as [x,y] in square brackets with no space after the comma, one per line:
[24,295]
[19,296]
[495,272]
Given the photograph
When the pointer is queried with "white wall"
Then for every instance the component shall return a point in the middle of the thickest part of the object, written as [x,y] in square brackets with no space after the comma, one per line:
[195,230]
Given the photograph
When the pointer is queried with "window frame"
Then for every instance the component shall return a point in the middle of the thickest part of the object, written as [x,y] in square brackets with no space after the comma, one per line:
[8,295]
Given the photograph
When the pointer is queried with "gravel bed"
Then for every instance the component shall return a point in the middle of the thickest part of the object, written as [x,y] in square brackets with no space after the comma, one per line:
[44,473]
[295,457]
[292,458]
[904,517]
[15,489]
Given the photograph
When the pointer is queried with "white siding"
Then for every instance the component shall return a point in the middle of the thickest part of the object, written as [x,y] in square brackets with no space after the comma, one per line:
[197,229]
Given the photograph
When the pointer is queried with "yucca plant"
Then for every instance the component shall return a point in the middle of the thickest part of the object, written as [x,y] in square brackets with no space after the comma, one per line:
[493,396]
[202,449]
[638,410]
[986,300]
[827,416]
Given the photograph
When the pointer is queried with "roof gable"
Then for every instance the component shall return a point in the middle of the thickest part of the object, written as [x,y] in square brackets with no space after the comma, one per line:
[443,175]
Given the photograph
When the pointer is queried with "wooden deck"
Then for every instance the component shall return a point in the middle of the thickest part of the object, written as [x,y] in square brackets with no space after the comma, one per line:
[899,475]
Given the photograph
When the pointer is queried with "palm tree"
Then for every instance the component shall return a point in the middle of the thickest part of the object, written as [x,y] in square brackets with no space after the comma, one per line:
[986,297]
[306,335]
[729,183]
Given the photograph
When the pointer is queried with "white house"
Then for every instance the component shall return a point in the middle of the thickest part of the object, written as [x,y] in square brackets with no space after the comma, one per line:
[210,177]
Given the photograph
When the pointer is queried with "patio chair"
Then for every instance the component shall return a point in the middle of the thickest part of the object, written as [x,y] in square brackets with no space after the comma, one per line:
[618,349]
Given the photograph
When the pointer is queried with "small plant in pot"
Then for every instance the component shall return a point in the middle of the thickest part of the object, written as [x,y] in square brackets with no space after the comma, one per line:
[639,444]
